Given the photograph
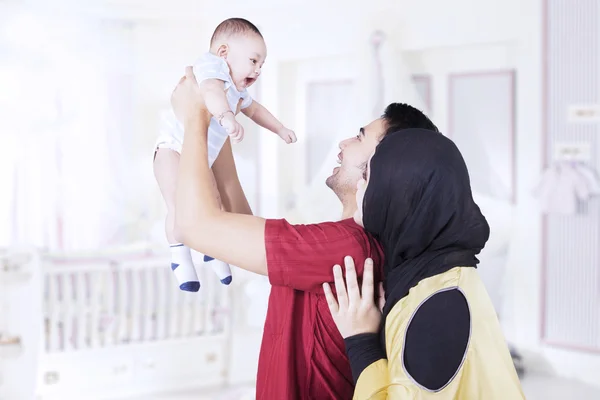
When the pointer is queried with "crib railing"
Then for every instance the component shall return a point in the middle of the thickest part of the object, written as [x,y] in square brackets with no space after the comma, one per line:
[107,324]
[102,303]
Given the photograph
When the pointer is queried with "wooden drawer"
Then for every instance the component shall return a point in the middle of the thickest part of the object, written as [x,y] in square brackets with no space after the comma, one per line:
[84,371]
[170,363]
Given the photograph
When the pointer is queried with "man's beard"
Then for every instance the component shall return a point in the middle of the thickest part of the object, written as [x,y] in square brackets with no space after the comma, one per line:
[334,183]
[330,182]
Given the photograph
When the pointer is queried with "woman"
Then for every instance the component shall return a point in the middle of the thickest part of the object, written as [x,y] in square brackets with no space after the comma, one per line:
[440,336]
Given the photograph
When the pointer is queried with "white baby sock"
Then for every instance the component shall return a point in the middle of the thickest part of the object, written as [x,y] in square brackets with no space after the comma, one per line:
[183,267]
[220,268]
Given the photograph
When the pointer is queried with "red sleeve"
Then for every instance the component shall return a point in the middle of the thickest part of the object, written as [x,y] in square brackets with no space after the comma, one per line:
[302,256]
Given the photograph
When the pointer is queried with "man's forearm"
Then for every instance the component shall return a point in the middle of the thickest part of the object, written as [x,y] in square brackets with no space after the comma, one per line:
[195,198]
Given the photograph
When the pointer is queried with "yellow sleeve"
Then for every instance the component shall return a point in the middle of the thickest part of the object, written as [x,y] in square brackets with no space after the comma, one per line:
[375,384]
[375,381]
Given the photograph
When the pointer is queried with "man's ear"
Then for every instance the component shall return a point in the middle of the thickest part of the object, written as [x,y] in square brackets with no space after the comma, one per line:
[222,51]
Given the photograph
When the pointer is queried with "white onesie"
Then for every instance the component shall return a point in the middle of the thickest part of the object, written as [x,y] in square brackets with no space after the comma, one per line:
[208,66]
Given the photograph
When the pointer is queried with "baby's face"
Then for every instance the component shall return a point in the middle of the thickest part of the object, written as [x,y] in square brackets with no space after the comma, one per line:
[245,57]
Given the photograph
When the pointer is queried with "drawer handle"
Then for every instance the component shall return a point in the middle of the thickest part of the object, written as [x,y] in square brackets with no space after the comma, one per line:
[9,340]
[51,378]
[211,358]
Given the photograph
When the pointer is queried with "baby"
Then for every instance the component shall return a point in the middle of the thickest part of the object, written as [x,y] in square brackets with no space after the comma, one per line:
[233,64]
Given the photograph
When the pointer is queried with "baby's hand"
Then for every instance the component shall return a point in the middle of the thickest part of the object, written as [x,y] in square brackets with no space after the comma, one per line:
[233,128]
[288,135]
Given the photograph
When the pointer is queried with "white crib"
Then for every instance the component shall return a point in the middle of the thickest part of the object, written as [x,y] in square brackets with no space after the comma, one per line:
[107,327]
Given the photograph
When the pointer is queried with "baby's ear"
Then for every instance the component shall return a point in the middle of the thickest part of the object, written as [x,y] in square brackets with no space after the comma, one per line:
[222,51]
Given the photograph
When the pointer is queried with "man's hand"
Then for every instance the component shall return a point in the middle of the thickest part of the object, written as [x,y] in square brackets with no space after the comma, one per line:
[187,101]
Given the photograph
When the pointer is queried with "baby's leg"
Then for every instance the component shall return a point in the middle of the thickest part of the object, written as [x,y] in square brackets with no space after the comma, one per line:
[166,164]
[222,269]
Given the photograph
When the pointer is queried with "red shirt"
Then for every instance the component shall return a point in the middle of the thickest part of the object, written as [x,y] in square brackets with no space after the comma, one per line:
[302,355]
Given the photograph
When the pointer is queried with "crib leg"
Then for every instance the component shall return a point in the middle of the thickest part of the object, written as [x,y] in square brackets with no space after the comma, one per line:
[22,317]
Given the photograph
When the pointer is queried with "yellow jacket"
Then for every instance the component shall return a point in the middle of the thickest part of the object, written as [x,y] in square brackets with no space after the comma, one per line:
[487,371]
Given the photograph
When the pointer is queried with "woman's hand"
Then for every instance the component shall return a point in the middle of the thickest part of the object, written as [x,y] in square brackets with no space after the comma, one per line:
[353,313]
[381,297]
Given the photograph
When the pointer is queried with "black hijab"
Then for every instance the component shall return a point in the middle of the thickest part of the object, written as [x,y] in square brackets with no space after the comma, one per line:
[418,203]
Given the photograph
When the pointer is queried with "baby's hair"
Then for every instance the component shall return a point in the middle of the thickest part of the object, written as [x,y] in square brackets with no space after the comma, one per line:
[234,26]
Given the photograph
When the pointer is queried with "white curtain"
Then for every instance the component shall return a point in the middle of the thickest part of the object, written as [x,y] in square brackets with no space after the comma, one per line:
[28,114]
[68,137]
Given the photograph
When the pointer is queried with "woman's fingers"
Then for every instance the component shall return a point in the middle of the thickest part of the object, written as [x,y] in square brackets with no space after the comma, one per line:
[368,292]
[351,282]
[331,302]
[380,297]
[340,287]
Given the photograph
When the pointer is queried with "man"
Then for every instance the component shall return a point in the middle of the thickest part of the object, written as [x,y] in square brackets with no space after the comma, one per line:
[302,354]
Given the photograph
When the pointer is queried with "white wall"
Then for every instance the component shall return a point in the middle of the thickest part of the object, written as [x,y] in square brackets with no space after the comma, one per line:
[525,261]
[440,62]
[433,23]
[293,178]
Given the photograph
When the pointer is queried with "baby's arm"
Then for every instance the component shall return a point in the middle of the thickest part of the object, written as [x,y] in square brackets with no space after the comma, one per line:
[259,114]
[213,92]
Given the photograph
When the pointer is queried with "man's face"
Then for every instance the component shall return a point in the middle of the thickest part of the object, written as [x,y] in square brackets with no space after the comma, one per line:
[354,154]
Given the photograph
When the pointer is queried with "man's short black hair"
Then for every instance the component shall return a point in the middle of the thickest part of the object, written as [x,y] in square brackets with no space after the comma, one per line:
[398,116]
[234,26]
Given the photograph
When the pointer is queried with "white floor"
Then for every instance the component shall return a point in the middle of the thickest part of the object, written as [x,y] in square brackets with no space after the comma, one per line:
[550,388]
[237,393]
[535,387]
